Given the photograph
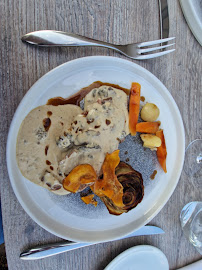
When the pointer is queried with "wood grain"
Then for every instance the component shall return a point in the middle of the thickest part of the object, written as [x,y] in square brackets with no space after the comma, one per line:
[114,21]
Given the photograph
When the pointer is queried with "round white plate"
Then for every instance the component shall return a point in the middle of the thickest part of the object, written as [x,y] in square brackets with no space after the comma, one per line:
[140,257]
[67,216]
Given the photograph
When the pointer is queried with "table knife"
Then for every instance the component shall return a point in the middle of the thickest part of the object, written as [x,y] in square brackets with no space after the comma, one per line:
[48,250]
[164,18]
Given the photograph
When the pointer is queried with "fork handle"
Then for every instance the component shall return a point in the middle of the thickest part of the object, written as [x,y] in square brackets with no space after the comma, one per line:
[51,38]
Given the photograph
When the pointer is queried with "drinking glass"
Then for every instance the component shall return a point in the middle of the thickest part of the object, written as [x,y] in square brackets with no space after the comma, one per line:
[191,222]
[193,161]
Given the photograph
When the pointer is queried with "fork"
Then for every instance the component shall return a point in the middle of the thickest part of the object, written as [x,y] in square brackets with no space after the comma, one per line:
[139,51]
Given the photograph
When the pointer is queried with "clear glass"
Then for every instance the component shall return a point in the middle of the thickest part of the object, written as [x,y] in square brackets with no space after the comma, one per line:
[193,161]
[191,222]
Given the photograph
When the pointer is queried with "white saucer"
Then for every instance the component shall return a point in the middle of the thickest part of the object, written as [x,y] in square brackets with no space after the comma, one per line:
[192,10]
[142,257]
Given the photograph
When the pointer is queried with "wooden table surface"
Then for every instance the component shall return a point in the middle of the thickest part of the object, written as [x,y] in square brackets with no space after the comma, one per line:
[115,21]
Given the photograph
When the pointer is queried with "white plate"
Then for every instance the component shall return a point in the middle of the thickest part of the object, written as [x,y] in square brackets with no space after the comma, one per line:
[67,216]
[141,258]
[192,10]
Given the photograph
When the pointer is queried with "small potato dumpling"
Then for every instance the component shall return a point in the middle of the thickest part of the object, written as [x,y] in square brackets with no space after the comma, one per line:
[150,112]
[150,141]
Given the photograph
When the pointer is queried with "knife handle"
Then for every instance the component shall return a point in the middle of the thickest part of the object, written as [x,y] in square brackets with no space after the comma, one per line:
[50,250]
[57,248]
[51,38]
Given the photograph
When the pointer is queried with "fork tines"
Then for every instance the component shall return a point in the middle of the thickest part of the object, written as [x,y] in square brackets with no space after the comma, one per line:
[142,52]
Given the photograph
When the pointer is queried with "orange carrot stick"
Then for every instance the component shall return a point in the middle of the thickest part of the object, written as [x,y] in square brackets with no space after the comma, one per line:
[161,150]
[134,107]
[147,127]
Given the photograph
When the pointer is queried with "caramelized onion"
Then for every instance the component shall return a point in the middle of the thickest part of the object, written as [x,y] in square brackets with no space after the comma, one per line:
[133,189]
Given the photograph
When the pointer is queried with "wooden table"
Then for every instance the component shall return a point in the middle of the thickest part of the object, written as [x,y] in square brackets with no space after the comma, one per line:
[115,21]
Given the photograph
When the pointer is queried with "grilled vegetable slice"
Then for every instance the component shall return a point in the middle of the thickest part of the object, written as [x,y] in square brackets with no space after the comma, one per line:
[109,185]
[133,189]
[89,199]
[80,177]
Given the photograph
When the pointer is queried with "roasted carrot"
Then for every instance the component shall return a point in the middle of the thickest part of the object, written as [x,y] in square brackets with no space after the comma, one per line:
[134,107]
[161,150]
[89,199]
[147,127]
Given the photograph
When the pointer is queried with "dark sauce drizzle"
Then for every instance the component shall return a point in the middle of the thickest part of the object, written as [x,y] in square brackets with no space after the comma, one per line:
[153,174]
[77,97]
[46,123]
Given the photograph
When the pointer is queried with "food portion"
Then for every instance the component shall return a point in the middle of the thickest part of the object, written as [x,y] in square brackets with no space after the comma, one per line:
[108,185]
[120,187]
[89,199]
[79,178]
[150,141]
[147,127]
[97,130]
[66,149]
[80,95]
[53,140]
[133,189]
[150,112]
[39,147]
[105,116]
[152,137]
[134,107]
[161,150]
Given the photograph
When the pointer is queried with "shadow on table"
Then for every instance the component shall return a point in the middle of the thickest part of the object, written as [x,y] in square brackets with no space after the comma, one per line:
[3,261]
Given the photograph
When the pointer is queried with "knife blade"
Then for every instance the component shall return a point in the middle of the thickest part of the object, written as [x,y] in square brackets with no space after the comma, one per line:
[48,250]
[164,19]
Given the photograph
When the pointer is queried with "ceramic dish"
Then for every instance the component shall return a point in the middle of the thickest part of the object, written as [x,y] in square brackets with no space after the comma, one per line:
[67,216]
[142,257]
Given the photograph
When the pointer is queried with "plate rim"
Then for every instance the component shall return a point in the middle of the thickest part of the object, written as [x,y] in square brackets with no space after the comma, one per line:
[166,198]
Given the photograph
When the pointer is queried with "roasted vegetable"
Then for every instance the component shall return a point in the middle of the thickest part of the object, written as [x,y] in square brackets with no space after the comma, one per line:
[109,185]
[147,127]
[133,189]
[150,141]
[134,107]
[161,150]
[79,178]
[150,112]
[89,199]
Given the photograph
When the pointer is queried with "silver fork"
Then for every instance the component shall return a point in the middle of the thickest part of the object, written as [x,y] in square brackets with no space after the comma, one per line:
[139,51]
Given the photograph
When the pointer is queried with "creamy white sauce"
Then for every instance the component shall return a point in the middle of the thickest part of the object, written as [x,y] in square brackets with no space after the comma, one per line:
[74,137]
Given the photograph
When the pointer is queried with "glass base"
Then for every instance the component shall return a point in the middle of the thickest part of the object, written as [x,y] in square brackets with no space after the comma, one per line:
[191,222]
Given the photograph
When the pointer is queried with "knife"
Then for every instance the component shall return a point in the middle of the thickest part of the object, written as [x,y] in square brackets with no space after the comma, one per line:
[164,19]
[48,250]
